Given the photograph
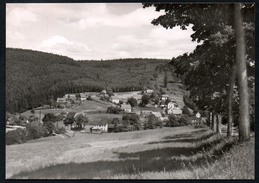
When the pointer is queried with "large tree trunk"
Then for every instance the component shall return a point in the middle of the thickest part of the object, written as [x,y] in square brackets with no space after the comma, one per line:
[218,124]
[244,123]
[212,121]
[208,119]
[230,101]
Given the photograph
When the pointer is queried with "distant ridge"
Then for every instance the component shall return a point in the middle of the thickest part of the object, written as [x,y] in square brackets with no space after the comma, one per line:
[34,77]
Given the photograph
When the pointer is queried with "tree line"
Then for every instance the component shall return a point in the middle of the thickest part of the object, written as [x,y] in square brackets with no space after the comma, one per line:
[33,77]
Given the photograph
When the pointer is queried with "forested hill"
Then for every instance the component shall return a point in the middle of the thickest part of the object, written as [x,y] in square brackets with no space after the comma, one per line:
[33,77]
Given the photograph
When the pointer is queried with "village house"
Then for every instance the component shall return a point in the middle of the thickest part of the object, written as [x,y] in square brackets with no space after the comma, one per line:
[145,113]
[61,100]
[103,92]
[100,127]
[148,91]
[172,108]
[164,97]
[115,100]
[71,96]
[82,96]
[177,111]
[157,114]
[126,107]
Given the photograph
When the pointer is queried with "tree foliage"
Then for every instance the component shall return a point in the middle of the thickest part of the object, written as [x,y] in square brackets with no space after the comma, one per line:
[70,118]
[81,120]
[36,78]
[132,101]
[224,44]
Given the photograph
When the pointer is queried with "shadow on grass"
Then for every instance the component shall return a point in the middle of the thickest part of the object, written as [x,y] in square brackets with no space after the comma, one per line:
[171,151]
[187,135]
[187,139]
[150,160]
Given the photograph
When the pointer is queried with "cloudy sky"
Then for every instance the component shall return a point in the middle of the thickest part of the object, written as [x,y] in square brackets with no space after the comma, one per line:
[93,31]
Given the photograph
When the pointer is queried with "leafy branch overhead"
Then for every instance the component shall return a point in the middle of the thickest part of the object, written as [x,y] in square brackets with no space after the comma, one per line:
[226,33]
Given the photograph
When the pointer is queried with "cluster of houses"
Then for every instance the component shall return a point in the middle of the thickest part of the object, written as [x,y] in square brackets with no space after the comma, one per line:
[71,98]
[170,107]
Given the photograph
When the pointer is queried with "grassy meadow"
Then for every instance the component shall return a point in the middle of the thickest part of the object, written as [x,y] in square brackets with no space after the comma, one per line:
[167,153]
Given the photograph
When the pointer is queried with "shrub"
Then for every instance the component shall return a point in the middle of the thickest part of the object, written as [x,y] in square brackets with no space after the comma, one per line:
[133,102]
[173,121]
[81,120]
[15,137]
[50,128]
[131,119]
[145,99]
[184,120]
[114,110]
[34,131]
[60,130]
[150,123]
[49,117]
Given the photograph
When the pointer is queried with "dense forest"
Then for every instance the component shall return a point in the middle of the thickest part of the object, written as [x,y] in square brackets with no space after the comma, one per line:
[33,77]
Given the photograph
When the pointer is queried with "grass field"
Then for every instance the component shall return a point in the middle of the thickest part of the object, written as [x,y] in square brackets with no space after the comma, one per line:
[172,153]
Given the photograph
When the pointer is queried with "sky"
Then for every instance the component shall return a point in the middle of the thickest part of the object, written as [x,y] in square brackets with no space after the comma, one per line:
[94,31]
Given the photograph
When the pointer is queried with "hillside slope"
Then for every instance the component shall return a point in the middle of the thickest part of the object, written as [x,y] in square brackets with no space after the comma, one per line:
[33,77]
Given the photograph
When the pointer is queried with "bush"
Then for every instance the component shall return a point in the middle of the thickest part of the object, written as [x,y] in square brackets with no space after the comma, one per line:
[131,119]
[60,130]
[114,110]
[173,121]
[34,131]
[184,120]
[145,99]
[15,137]
[133,102]
[49,128]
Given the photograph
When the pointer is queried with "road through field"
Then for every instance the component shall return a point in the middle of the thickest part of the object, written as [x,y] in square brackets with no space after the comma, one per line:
[84,148]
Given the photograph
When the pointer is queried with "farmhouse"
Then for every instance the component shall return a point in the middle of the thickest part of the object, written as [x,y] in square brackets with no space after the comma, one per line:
[115,100]
[177,111]
[103,92]
[148,91]
[61,100]
[145,113]
[164,97]
[82,96]
[71,96]
[101,127]
[157,114]
[126,107]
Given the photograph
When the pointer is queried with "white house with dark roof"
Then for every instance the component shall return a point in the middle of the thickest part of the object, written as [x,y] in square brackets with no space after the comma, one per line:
[115,100]
[82,96]
[126,107]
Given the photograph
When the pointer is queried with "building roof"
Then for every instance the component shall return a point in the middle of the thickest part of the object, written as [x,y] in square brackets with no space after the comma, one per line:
[125,106]
[150,90]
[115,98]
[157,114]
[146,111]
[177,111]
[103,91]
[82,95]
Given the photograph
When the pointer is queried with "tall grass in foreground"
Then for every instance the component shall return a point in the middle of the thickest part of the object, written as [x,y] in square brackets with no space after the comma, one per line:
[205,156]
[239,163]
[227,160]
